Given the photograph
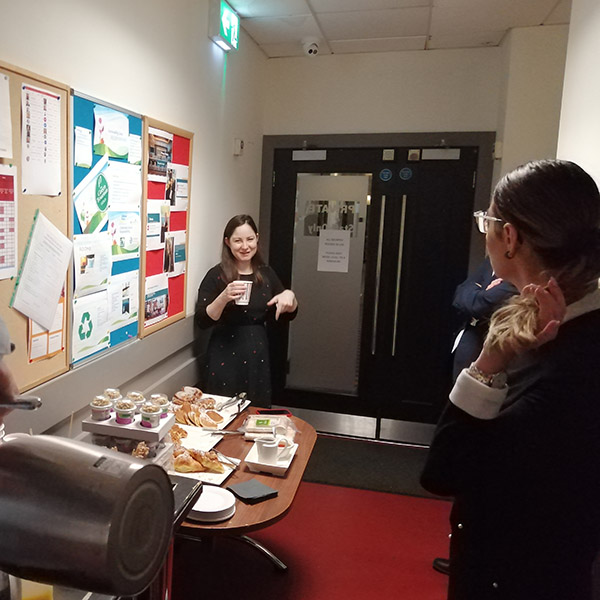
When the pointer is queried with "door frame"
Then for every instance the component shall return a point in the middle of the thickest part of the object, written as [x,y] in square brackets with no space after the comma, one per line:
[389,429]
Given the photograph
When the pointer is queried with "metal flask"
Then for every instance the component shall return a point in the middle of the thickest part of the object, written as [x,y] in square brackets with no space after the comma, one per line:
[82,516]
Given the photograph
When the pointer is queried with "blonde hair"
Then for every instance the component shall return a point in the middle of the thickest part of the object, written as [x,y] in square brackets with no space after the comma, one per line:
[555,207]
[513,325]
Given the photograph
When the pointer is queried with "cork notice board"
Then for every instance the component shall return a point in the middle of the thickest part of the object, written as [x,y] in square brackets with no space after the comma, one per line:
[54,207]
[167,183]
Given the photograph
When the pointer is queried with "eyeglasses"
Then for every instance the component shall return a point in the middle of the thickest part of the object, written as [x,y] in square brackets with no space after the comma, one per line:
[483,220]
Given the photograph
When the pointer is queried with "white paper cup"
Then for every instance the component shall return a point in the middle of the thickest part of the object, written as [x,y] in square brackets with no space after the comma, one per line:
[245,298]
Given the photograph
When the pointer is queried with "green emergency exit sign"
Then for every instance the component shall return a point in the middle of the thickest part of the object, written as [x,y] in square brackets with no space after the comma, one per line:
[224,25]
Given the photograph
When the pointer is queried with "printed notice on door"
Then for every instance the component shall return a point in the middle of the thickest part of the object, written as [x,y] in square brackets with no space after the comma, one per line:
[334,250]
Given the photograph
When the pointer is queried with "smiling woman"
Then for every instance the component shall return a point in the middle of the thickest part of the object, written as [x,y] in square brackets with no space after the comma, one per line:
[238,354]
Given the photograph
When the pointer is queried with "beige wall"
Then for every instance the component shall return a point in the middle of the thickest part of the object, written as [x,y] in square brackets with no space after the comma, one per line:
[438,90]
[530,106]
[579,136]
[515,90]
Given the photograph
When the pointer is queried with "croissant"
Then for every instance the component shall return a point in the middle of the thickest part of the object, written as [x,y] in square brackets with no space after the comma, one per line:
[208,460]
[188,460]
[184,463]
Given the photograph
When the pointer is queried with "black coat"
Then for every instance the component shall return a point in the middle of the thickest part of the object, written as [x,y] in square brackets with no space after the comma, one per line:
[526,515]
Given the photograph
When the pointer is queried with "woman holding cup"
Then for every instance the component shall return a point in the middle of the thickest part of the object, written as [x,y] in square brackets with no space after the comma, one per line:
[238,297]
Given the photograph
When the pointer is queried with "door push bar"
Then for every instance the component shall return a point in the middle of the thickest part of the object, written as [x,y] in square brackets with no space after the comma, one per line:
[378,276]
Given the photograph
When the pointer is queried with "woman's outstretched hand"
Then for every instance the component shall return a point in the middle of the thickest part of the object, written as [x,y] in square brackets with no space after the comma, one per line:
[284,302]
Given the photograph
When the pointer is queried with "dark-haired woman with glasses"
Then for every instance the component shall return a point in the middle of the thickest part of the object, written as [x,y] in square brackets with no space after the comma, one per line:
[238,350]
[518,445]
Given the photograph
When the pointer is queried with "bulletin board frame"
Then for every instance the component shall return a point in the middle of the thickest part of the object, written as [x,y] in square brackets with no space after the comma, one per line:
[56,208]
[155,266]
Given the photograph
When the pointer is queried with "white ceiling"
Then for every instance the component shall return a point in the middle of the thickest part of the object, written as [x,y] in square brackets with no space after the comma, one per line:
[281,27]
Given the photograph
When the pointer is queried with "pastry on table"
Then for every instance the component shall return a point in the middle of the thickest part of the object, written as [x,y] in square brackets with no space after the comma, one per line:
[189,460]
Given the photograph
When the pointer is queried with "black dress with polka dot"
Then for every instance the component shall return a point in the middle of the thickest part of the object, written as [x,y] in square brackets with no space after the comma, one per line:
[237,359]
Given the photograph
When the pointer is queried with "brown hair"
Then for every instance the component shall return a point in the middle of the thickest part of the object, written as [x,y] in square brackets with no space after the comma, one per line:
[555,207]
[228,264]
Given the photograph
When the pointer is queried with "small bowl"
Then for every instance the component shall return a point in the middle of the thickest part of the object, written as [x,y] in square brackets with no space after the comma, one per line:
[125,410]
[101,407]
[163,401]
[150,415]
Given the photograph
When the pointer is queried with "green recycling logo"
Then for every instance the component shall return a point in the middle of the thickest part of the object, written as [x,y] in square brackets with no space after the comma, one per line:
[85,327]
[102,193]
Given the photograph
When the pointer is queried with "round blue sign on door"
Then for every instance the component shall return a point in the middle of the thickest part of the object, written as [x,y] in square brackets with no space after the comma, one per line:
[405,173]
[385,174]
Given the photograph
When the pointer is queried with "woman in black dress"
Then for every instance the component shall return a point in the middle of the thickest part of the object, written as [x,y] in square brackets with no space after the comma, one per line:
[238,352]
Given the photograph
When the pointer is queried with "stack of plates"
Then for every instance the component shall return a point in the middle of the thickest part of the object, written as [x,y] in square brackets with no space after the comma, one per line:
[214,504]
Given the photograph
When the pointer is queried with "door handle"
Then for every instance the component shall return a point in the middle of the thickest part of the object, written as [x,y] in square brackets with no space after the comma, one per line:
[399,272]
[378,276]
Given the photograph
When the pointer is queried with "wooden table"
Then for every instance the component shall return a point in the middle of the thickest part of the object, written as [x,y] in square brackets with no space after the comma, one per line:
[251,517]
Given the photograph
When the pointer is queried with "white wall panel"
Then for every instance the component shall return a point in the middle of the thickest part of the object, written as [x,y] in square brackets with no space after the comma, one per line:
[438,90]
[579,132]
[531,106]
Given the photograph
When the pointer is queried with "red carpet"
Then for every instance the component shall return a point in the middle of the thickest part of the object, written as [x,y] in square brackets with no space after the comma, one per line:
[338,543]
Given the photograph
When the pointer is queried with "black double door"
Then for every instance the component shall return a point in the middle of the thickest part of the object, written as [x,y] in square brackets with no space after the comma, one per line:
[416,251]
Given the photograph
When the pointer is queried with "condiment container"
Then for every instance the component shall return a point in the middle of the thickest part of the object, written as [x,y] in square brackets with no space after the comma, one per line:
[150,415]
[137,398]
[161,400]
[101,407]
[125,411]
[81,516]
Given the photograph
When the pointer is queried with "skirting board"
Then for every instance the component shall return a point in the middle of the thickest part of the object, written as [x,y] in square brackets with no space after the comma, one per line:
[405,432]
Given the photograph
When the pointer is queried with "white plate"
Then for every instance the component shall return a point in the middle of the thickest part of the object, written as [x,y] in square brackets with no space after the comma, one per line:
[278,468]
[199,439]
[212,478]
[214,504]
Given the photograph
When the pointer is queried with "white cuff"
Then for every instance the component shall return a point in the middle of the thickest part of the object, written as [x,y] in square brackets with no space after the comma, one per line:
[476,398]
